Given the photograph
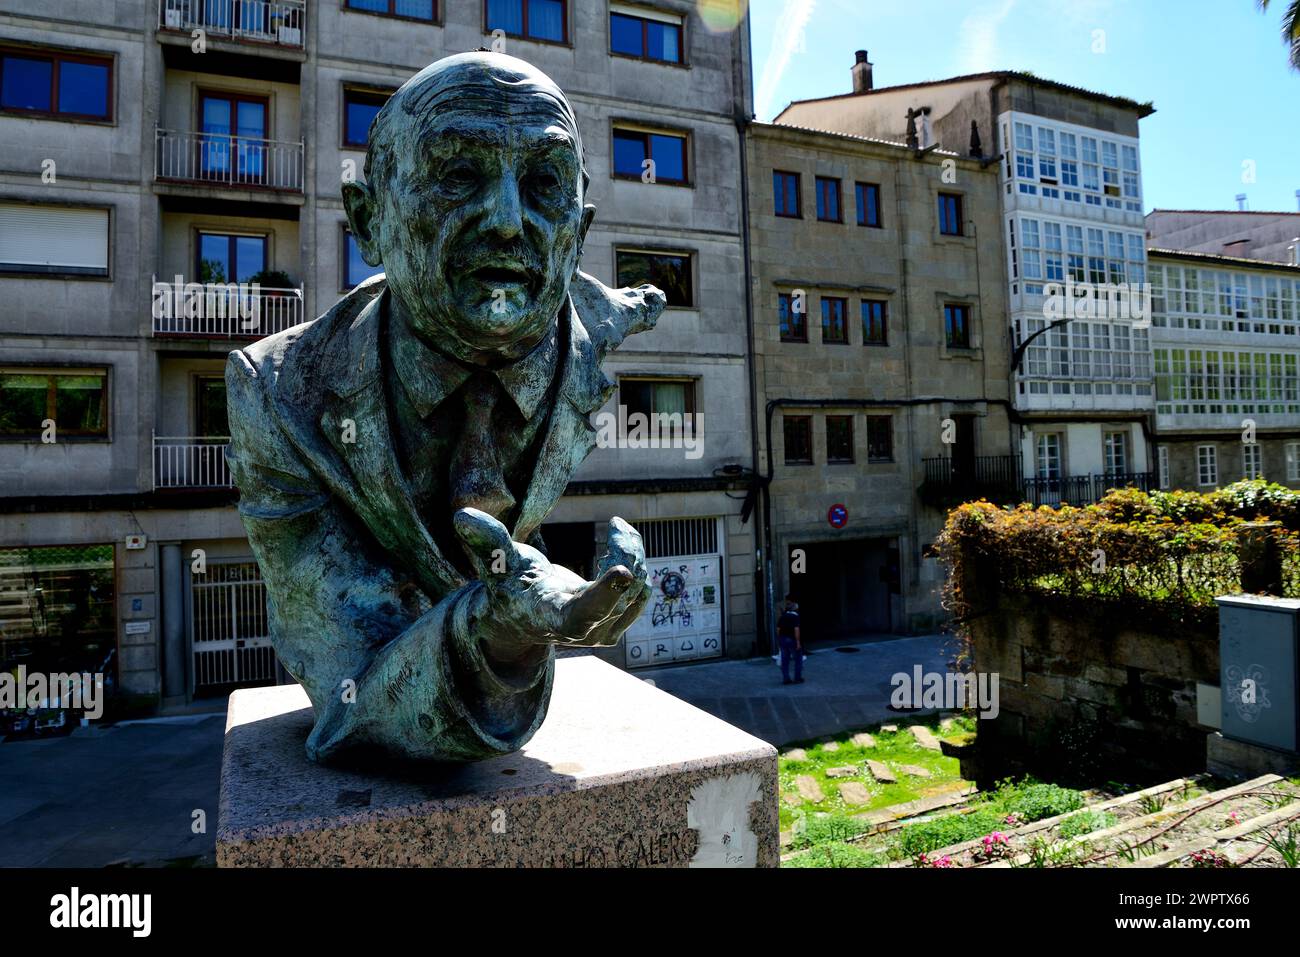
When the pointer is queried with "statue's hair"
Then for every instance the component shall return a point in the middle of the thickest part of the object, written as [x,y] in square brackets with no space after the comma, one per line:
[460,82]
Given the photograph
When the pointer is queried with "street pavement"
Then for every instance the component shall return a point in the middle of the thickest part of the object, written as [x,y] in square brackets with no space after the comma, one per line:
[127,794]
[842,690]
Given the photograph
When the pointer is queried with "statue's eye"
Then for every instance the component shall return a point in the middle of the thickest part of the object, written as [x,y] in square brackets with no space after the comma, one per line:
[460,176]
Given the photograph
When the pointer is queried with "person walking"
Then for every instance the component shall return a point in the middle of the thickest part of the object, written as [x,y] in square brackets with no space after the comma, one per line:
[790,642]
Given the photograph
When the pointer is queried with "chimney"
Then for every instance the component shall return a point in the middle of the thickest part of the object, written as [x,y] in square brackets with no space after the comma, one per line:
[1241,202]
[861,73]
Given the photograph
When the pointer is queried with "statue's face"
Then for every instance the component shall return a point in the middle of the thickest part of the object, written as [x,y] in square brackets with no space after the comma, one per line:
[479,226]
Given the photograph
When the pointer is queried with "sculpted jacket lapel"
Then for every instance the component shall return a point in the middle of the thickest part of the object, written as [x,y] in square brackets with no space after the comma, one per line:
[569,433]
[364,473]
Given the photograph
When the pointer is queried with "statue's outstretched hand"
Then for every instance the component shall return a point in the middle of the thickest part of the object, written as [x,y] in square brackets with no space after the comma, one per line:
[526,600]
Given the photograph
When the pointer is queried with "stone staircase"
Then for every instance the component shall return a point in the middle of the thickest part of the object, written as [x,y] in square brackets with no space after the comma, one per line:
[1175,824]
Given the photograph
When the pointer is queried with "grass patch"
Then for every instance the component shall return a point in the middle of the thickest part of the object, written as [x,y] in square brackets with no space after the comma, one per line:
[892,749]
[837,854]
[1085,822]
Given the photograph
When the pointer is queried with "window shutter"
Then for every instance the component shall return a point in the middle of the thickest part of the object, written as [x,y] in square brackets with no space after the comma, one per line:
[53,236]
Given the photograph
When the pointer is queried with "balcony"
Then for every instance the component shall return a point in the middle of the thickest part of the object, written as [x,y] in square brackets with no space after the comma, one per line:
[1083,489]
[278,22]
[223,311]
[190,462]
[224,161]
[951,481]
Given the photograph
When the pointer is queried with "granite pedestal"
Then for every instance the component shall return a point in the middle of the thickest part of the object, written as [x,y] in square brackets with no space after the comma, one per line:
[619,775]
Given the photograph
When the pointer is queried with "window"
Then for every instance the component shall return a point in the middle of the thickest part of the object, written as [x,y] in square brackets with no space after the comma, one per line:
[75,399]
[359,110]
[868,204]
[794,319]
[839,439]
[67,86]
[1251,461]
[1047,455]
[1162,465]
[828,200]
[835,327]
[355,269]
[1115,453]
[664,151]
[408,9]
[1207,465]
[785,193]
[53,240]
[227,258]
[950,218]
[647,34]
[1293,461]
[532,19]
[956,325]
[210,419]
[880,438]
[222,117]
[666,397]
[670,271]
[874,313]
[797,430]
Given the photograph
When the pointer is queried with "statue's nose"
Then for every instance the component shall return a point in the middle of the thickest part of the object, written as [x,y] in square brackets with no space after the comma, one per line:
[504,213]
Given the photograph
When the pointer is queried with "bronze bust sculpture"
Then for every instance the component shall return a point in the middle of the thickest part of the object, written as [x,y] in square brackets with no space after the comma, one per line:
[396,457]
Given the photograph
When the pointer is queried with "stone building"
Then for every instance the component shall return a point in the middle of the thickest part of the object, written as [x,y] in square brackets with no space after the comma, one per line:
[1225,337]
[150,147]
[881,350]
[1071,212]
[1239,233]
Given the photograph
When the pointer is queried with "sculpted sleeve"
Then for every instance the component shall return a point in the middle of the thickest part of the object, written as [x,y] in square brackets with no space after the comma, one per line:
[380,666]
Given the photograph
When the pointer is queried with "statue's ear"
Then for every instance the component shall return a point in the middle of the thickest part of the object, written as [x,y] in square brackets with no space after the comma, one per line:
[588,214]
[359,200]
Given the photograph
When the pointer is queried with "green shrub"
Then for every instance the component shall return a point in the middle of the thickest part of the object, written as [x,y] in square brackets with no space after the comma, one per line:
[949,829]
[837,854]
[1032,800]
[1085,822]
[826,829]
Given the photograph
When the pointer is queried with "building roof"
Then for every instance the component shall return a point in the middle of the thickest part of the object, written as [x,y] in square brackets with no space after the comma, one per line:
[1238,261]
[1142,109]
[855,137]
[1227,212]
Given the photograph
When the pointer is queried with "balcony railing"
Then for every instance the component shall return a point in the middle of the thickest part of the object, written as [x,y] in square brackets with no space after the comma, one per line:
[190,462]
[219,159]
[281,22]
[1083,489]
[223,311]
[949,481]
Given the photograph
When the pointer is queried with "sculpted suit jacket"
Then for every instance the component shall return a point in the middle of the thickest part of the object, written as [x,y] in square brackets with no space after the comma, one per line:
[366,612]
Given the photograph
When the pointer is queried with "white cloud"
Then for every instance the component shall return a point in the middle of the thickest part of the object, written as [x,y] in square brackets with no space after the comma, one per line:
[787,39]
[979,37]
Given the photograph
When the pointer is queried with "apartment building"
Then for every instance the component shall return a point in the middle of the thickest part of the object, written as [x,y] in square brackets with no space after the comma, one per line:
[881,352]
[1225,337]
[159,154]
[1071,206]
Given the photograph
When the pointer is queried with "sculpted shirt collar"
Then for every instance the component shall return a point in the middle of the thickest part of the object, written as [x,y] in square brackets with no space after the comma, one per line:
[429,377]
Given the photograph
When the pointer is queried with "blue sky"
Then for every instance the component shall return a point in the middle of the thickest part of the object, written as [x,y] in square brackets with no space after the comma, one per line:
[1216,71]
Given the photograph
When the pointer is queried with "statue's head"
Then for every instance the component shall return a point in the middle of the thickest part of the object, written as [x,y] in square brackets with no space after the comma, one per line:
[474,203]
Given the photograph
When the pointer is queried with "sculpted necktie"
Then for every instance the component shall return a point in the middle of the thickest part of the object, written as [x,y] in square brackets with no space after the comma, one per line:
[476,479]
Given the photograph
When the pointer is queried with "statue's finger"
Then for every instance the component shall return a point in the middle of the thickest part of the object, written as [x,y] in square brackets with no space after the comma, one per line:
[596,602]
[487,542]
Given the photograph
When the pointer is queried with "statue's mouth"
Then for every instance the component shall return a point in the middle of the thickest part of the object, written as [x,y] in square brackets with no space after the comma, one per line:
[503,275]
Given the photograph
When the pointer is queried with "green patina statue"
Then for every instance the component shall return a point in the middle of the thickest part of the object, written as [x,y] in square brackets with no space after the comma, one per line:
[396,456]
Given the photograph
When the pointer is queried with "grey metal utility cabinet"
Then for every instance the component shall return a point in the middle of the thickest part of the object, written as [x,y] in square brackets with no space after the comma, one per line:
[1259,669]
